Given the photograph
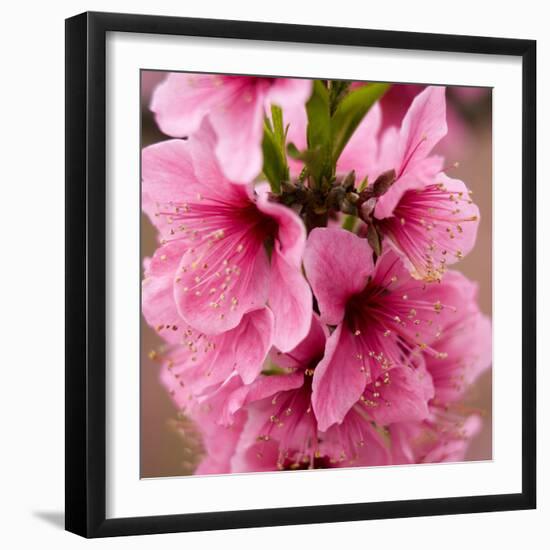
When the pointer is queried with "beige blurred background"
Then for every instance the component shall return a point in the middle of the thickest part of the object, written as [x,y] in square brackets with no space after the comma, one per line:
[164,451]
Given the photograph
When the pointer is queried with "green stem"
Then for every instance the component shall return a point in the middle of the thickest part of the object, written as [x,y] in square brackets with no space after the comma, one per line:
[349,222]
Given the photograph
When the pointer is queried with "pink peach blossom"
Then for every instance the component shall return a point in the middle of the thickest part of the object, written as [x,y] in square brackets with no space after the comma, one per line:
[464,345]
[219,441]
[212,266]
[443,437]
[270,424]
[235,106]
[199,362]
[427,216]
[203,375]
[282,430]
[283,417]
[383,319]
[397,100]
[219,410]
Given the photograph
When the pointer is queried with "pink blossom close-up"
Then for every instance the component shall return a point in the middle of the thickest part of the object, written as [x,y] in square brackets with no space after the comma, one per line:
[214,266]
[383,318]
[235,106]
[426,215]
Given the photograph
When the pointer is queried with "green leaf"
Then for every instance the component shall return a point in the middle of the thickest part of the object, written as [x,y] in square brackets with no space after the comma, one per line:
[349,223]
[293,152]
[275,166]
[319,134]
[308,156]
[278,127]
[350,112]
[364,184]
[337,90]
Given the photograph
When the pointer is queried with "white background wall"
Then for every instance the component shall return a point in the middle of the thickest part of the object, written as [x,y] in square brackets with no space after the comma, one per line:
[32,272]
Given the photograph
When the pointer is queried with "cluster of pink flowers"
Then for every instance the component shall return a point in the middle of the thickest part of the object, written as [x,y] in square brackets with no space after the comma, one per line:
[298,345]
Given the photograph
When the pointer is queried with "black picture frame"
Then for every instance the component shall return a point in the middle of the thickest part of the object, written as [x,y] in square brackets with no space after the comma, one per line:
[86,274]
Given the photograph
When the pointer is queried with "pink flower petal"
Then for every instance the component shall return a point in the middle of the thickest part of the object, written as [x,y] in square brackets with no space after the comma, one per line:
[202,365]
[453,441]
[387,153]
[444,437]
[402,437]
[252,340]
[288,93]
[178,174]
[182,101]
[289,297]
[338,264]
[291,302]
[167,176]
[465,343]
[401,394]
[259,456]
[218,282]
[262,387]
[291,232]
[240,129]
[158,305]
[206,167]
[434,226]
[308,352]
[284,417]
[426,174]
[191,383]
[219,441]
[422,128]
[338,381]
[361,151]
[355,442]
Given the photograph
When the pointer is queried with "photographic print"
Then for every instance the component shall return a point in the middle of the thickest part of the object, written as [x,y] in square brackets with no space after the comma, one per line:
[301,274]
[316,274]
